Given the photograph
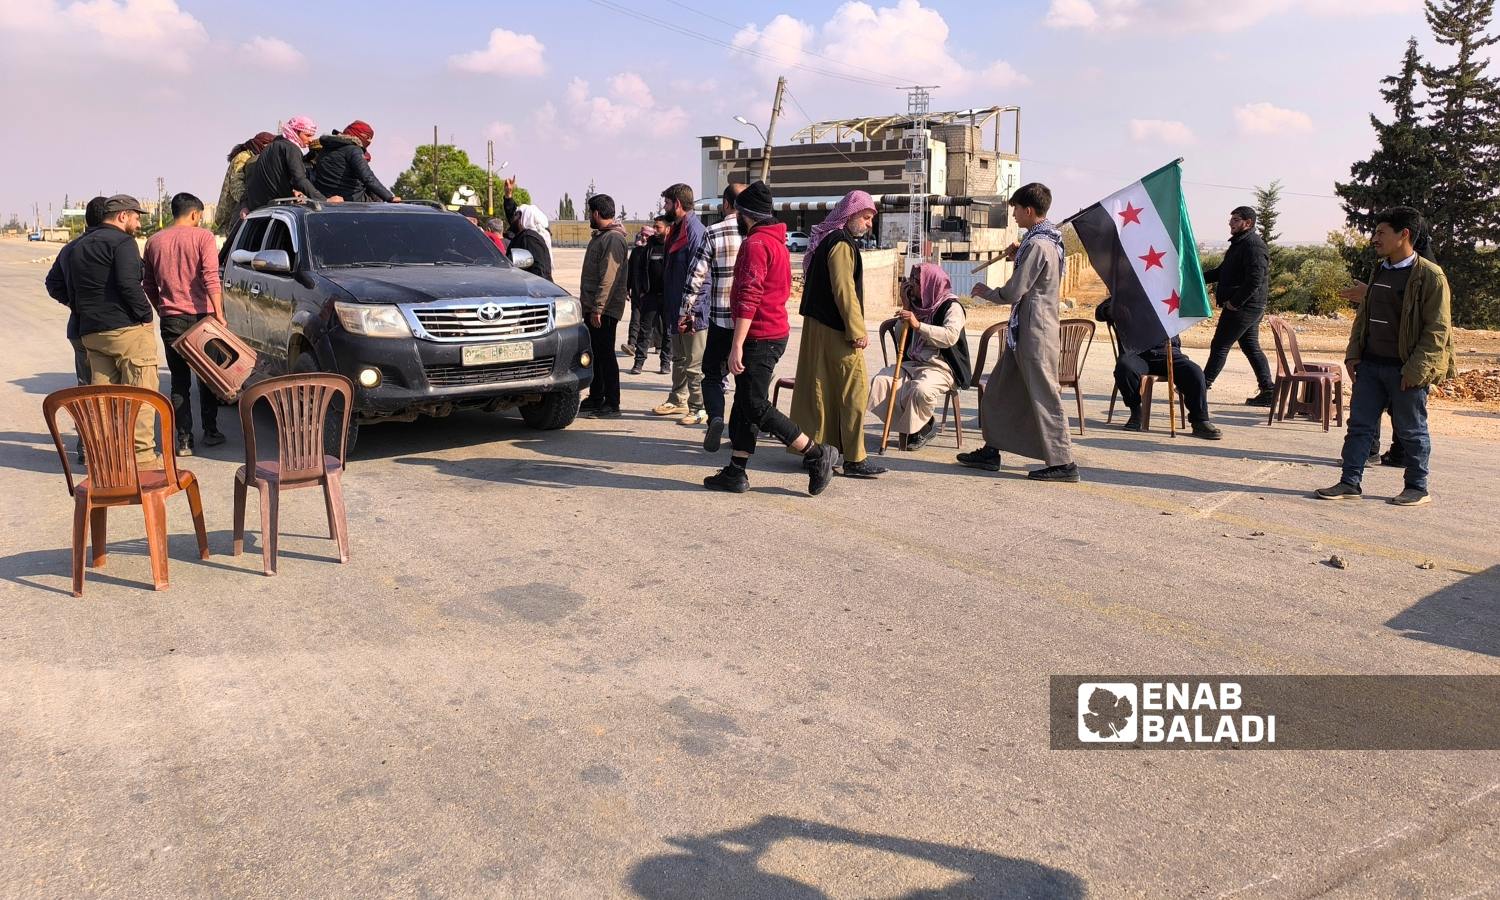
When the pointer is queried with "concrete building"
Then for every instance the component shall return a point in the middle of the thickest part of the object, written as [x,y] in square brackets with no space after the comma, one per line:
[973,164]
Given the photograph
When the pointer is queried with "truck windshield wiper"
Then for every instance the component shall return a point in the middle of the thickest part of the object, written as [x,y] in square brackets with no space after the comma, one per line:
[361,265]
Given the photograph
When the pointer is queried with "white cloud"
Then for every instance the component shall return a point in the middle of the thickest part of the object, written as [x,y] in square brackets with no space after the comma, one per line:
[500,131]
[1164,131]
[628,103]
[1204,15]
[273,53]
[898,44]
[1265,118]
[122,29]
[507,53]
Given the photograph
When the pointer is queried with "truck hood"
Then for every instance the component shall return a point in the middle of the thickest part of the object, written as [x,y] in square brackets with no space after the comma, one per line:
[423,284]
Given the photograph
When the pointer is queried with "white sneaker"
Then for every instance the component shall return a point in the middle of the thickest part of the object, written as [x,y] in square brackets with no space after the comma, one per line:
[694,418]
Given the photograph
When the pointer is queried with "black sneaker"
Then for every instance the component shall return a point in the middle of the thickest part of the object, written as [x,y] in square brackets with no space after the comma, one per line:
[923,437]
[986,458]
[1067,474]
[634,370]
[184,445]
[821,468]
[1374,454]
[1133,423]
[862,469]
[664,370]
[588,405]
[1266,397]
[730,478]
[1341,491]
[604,412]
[1208,431]
[213,438]
[1395,457]
[714,434]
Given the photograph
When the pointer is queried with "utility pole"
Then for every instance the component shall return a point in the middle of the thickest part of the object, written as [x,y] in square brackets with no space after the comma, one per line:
[161,187]
[437,193]
[765,156]
[489,178]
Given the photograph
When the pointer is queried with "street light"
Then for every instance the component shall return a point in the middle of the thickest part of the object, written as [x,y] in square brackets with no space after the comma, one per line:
[744,121]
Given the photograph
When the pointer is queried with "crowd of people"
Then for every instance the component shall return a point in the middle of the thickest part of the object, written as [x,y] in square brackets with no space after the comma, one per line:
[711,300]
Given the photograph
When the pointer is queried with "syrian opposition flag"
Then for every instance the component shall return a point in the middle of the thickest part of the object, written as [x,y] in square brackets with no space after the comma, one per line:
[1141,243]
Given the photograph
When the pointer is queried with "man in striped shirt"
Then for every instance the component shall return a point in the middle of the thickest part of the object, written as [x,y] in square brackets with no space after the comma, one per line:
[708,299]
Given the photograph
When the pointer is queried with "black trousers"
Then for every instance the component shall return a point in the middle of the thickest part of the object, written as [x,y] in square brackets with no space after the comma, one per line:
[1185,373]
[752,412]
[172,328]
[651,326]
[605,388]
[715,368]
[1239,326]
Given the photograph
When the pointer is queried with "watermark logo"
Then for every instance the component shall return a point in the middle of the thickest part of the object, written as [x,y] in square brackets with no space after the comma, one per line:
[1107,712]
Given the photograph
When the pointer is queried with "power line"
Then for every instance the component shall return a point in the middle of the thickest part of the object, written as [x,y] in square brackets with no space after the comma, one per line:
[1209,184]
[737,27]
[698,35]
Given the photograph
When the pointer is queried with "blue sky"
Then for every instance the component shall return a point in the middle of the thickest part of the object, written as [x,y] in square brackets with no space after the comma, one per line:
[114,93]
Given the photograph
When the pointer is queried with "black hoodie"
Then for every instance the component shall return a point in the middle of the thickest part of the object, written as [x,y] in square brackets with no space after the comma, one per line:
[339,169]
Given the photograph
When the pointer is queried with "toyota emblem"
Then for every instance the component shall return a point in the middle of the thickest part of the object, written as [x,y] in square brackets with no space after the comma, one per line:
[490,312]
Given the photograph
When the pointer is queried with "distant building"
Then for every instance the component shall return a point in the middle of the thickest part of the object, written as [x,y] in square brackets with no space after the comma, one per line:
[969,174]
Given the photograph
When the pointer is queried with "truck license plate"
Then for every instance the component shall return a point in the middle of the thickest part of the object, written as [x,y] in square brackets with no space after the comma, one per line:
[490,354]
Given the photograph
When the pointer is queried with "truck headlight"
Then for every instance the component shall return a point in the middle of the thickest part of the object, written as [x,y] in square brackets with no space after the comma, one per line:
[380,320]
[566,312]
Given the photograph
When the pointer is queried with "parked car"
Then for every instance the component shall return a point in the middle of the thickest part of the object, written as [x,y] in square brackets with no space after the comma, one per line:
[34,236]
[413,304]
[796,241]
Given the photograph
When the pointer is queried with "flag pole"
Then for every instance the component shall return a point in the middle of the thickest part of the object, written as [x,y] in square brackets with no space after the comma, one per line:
[1171,393]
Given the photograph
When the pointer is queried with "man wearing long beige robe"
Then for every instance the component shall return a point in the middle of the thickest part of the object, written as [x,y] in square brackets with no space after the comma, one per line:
[936,321]
[1022,408]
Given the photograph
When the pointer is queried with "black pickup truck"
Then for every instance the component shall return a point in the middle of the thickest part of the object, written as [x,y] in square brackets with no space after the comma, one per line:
[413,304]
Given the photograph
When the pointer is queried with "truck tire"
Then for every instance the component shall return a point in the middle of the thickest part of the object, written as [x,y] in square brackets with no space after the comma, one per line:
[553,411]
[307,363]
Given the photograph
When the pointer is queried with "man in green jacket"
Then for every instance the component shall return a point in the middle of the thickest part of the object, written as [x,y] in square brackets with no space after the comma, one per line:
[1401,344]
[602,287]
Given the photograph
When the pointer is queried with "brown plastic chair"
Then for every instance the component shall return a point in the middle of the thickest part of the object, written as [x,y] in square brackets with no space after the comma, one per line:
[220,358]
[950,399]
[1323,383]
[299,405]
[981,374]
[105,416]
[1077,336]
[788,383]
[1147,388]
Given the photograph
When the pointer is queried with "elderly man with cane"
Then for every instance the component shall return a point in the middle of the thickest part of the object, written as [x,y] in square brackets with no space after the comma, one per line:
[935,358]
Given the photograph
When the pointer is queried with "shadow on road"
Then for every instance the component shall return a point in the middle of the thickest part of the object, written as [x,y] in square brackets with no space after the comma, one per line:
[1465,616]
[726,864]
[44,383]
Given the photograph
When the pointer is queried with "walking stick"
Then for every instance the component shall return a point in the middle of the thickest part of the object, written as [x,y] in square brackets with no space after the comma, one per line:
[1171,393]
[890,408]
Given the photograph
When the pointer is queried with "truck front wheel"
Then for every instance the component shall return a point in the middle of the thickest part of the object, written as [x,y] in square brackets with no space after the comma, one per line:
[553,411]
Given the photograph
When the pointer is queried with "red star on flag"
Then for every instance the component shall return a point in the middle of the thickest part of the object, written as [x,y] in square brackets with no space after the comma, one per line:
[1130,214]
[1153,259]
[1173,302]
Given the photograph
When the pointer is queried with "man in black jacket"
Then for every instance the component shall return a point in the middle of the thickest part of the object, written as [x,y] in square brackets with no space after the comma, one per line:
[280,169]
[1186,376]
[58,289]
[647,291]
[341,168]
[103,274]
[1243,287]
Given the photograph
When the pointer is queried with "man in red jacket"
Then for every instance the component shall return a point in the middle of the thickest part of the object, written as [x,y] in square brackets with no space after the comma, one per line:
[762,285]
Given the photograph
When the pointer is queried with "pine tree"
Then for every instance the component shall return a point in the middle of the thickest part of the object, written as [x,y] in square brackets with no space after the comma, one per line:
[1266,199]
[1464,128]
[1399,171]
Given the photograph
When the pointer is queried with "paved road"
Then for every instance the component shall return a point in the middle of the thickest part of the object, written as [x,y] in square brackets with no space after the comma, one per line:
[556,667]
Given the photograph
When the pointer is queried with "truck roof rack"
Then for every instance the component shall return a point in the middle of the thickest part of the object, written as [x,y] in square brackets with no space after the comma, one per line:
[432,203]
[297,201]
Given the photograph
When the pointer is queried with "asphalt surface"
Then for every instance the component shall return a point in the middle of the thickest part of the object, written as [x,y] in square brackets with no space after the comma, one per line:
[555,666]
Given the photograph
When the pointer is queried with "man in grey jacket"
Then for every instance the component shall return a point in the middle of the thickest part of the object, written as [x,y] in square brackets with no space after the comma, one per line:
[602,291]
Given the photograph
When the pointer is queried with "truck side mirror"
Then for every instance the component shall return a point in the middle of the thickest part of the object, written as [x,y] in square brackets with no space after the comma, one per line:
[521,259]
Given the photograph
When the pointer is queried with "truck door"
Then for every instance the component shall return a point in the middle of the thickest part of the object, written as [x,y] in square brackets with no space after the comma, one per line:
[277,298]
[239,280]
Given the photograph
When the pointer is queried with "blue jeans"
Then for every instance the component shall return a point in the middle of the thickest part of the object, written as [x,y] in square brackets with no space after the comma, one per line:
[1376,386]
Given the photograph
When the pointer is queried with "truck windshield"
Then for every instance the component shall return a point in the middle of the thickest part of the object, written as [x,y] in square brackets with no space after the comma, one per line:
[351,240]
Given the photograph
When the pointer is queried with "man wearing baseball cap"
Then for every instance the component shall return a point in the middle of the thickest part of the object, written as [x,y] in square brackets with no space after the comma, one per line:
[114,316]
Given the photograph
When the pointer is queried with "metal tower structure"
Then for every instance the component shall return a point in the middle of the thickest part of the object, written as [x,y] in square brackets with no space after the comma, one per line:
[918,98]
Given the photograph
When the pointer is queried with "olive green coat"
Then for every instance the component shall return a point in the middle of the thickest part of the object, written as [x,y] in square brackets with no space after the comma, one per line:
[1425,333]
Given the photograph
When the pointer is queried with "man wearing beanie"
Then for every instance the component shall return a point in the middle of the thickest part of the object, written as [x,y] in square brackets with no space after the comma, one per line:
[762,285]
[708,298]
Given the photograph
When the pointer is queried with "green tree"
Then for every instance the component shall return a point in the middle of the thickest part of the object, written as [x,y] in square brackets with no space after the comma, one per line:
[1464,127]
[454,169]
[565,211]
[1399,171]
[1266,199]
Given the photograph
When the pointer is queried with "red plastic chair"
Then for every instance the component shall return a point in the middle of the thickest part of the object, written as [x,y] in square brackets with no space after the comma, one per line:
[299,404]
[105,416]
[1323,384]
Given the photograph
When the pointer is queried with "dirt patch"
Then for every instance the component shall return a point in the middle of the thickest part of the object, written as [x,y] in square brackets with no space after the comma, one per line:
[1475,385]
